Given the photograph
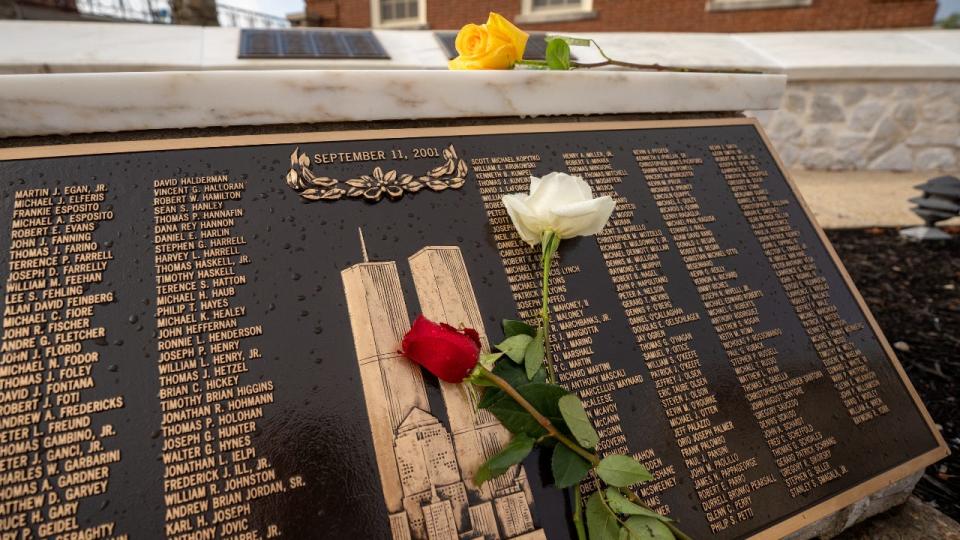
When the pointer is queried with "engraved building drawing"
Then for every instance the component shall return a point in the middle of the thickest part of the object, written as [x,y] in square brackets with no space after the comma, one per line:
[425,472]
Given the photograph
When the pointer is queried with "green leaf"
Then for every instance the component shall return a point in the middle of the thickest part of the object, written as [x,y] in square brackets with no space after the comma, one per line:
[577,420]
[545,397]
[622,471]
[514,374]
[533,357]
[621,505]
[568,467]
[558,54]
[489,360]
[512,454]
[572,41]
[601,523]
[549,243]
[512,328]
[645,528]
[515,346]
[489,396]
[515,377]
[516,419]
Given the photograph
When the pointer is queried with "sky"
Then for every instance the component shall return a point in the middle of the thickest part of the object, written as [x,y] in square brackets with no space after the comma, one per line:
[947,7]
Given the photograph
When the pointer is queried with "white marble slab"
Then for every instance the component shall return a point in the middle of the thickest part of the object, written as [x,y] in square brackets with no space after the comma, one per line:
[39,104]
[59,47]
[56,46]
[948,40]
[70,47]
[718,51]
[857,55]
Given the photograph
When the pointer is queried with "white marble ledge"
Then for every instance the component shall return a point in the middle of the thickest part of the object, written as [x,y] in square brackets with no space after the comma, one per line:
[79,47]
[868,54]
[73,47]
[103,102]
[700,50]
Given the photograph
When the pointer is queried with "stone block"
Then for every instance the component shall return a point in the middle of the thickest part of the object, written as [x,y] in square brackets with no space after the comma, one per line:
[866,115]
[817,160]
[832,525]
[907,90]
[824,109]
[939,89]
[785,126]
[880,89]
[818,136]
[885,136]
[941,111]
[850,160]
[853,94]
[795,103]
[850,141]
[914,520]
[936,159]
[935,135]
[898,158]
[789,154]
[906,115]
[888,131]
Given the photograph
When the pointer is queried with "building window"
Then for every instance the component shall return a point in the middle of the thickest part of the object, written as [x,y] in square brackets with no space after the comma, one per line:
[537,5]
[534,11]
[398,13]
[735,5]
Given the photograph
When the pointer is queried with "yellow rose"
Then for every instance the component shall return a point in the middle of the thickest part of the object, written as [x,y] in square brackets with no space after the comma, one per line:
[498,44]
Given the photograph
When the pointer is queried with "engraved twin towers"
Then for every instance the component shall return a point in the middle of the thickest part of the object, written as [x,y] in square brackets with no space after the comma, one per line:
[425,469]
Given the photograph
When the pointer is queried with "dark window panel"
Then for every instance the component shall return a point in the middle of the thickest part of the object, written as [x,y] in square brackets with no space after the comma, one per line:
[310,44]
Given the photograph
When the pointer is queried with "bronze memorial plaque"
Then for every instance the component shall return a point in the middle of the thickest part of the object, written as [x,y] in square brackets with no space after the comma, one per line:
[196,345]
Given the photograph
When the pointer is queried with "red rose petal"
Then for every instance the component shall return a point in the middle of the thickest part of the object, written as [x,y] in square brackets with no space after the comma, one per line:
[442,349]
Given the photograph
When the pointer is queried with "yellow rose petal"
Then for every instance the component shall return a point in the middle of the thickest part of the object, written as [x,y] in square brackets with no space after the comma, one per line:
[505,30]
[471,39]
[498,44]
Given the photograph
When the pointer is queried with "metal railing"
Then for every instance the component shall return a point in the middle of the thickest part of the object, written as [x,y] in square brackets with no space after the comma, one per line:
[245,18]
[159,12]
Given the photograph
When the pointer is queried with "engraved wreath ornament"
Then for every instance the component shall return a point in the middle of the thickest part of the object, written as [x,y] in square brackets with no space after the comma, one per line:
[451,174]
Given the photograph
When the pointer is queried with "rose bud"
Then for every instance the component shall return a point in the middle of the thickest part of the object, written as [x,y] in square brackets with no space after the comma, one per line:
[441,349]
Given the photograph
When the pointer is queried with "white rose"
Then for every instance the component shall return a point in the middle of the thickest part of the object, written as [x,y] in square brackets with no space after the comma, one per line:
[557,202]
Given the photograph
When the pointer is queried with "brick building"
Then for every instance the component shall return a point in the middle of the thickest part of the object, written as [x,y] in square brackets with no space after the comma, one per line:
[628,15]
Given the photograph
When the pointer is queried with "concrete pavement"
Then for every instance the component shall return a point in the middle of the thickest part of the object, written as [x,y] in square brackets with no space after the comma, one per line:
[858,199]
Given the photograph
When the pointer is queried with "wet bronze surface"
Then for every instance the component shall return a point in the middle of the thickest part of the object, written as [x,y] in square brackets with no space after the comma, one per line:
[194,344]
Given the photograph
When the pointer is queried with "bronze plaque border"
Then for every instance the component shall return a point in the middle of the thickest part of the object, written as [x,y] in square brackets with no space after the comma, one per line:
[776,531]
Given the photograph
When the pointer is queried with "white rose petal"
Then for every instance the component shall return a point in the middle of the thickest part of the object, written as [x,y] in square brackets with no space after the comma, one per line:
[558,202]
[526,222]
[583,218]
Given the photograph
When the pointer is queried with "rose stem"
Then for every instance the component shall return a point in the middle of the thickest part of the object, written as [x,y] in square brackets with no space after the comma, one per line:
[546,258]
[541,419]
[545,422]
[578,512]
[658,67]
[654,67]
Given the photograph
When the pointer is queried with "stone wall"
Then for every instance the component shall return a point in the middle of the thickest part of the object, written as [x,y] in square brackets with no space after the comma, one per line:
[873,125]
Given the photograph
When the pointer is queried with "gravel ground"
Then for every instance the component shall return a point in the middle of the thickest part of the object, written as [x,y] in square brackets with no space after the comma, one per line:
[913,290]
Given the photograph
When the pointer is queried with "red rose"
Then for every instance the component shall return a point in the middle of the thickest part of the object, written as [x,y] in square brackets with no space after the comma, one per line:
[441,349]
